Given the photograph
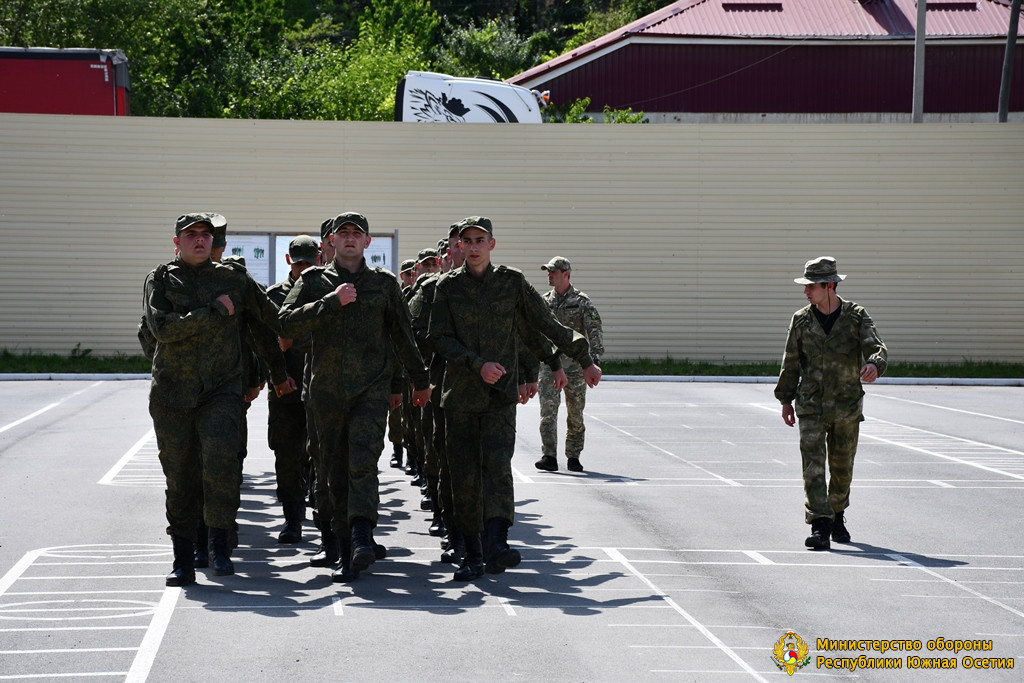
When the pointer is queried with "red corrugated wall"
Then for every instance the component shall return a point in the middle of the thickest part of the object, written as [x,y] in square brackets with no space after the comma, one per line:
[782,78]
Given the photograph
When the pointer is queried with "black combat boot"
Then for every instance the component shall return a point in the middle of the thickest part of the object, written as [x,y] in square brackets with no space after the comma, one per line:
[396,458]
[344,572]
[183,572]
[840,534]
[472,566]
[436,527]
[497,553]
[820,530]
[456,549]
[221,560]
[573,464]
[294,516]
[329,552]
[201,560]
[363,553]
[380,552]
[548,463]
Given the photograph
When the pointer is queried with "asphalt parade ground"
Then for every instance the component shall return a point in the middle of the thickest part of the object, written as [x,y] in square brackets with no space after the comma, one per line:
[676,556]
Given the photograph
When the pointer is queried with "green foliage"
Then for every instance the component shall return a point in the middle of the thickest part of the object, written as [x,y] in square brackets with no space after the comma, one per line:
[573,112]
[491,50]
[626,115]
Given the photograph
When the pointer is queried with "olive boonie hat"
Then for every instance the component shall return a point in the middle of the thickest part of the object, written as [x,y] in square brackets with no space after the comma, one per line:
[351,218]
[189,219]
[476,222]
[557,263]
[303,248]
[407,264]
[821,269]
[426,254]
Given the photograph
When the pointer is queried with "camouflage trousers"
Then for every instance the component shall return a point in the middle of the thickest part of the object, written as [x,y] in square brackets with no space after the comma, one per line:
[396,427]
[834,441]
[575,402]
[198,449]
[351,435]
[441,488]
[411,417]
[286,435]
[479,449]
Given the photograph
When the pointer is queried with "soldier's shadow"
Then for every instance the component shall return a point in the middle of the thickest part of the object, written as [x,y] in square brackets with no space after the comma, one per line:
[855,549]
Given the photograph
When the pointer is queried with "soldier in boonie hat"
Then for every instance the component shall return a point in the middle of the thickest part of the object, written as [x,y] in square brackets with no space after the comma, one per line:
[557,263]
[303,248]
[821,269]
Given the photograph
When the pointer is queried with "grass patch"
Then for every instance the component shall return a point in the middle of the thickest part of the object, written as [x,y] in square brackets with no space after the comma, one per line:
[82,361]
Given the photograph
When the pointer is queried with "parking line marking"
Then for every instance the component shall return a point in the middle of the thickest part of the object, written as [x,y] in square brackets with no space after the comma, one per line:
[108,478]
[12,425]
[952,410]
[143,662]
[754,555]
[617,556]
[507,605]
[911,563]
[339,610]
[719,477]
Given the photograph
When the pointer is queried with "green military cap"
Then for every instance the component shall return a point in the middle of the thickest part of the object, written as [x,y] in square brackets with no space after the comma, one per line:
[351,218]
[407,264]
[821,269]
[427,253]
[189,219]
[557,263]
[453,229]
[442,246]
[325,228]
[304,248]
[476,222]
[220,229]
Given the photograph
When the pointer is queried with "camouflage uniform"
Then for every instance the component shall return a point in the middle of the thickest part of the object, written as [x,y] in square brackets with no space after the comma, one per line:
[473,322]
[352,364]
[196,396]
[822,373]
[286,420]
[576,311]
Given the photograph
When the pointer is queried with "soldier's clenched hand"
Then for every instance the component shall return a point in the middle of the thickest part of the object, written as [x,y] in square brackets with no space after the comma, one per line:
[560,379]
[346,293]
[491,372]
[226,301]
[285,387]
[593,375]
[421,397]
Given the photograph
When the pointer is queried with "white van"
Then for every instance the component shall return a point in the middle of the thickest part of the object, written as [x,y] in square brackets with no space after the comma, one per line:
[427,96]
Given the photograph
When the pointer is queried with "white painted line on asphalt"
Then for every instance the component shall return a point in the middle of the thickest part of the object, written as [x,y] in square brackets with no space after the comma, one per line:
[12,425]
[614,554]
[947,438]
[941,484]
[143,662]
[339,610]
[719,477]
[911,563]
[952,410]
[758,557]
[521,477]
[507,606]
[126,458]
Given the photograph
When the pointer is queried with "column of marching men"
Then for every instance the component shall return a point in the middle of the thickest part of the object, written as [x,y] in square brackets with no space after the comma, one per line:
[438,362]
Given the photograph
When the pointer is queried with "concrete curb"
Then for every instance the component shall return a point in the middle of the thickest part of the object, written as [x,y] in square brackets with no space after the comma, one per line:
[725,379]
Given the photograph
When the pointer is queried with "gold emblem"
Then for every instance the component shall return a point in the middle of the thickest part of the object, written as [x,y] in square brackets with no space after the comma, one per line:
[790,653]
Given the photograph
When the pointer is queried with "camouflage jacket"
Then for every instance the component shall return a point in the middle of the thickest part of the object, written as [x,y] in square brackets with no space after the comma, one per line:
[475,321]
[575,310]
[199,348]
[822,372]
[421,296]
[295,356]
[353,346]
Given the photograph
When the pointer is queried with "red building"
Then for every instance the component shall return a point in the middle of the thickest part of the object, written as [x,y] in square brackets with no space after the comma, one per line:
[764,57]
[46,80]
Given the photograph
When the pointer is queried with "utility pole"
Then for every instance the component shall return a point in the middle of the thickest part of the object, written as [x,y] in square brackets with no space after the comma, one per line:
[919,34]
[1008,58]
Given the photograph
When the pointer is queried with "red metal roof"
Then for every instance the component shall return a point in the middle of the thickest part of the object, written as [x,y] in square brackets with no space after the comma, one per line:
[796,20]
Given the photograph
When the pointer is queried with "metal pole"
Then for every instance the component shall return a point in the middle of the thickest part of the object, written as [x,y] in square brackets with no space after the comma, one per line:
[1008,59]
[919,34]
